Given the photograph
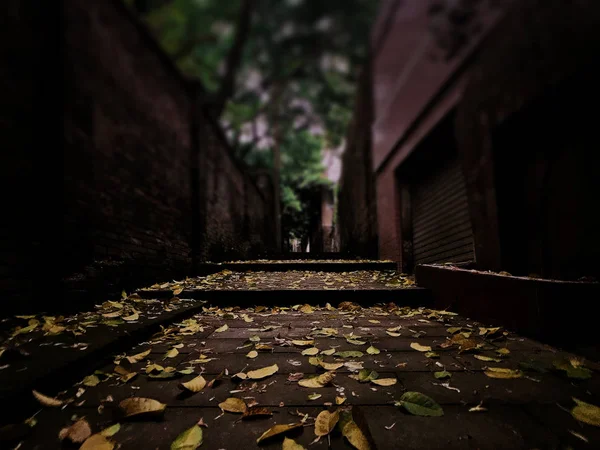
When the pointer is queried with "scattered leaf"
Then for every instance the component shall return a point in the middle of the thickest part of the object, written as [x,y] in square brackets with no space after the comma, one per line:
[314,396]
[366,375]
[501,372]
[326,422]
[221,329]
[355,436]
[139,406]
[47,401]
[194,385]
[310,351]
[373,350]
[503,351]
[586,413]
[91,381]
[432,355]
[111,431]
[393,333]
[384,381]
[253,354]
[349,354]
[172,353]
[329,352]
[442,375]
[478,408]
[290,444]
[318,381]
[255,412]
[487,358]
[97,442]
[263,373]
[420,348]
[278,429]
[419,404]
[575,371]
[340,400]
[190,439]
[77,433]
[233,405]
[298,343]
[139,357]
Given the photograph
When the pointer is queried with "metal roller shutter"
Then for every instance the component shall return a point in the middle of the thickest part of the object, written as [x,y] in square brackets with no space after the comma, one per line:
[441,224]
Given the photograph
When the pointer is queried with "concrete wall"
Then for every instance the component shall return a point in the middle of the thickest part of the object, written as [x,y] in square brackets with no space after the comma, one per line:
[128,185]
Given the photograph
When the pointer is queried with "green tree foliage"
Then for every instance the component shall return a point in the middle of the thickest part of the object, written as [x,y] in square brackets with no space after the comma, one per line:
[298,66]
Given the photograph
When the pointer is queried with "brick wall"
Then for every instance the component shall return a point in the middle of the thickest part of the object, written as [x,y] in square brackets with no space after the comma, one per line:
[525,126]
[127,185]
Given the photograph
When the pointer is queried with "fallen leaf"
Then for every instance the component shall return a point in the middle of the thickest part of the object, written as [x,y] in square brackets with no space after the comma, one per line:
[586,413]
[419,404]
[486,358]
[314,396]
[366,375]
[256,412]
[194,385]
[420,348]
[190,439]
[393,333]
[278,429]
[355,341]
[91,380]
[310,351]
[253,354]
[384,381]
[503,351]
[76,433]
[221,329]
[47,401]
[329,352]
[132,317]
[349,354]
[318,381]
[326,422]
[111,431]
[577,371]
[303,343]
[139,357]
[172,353]
[355,436]
[501,372]
[432,355]
[373,350]
[374,321]
[139,406]
[290,444]
[97,442]
[233,405]
[442,375]
[263,373]
[340,400]
[478,408]
[331,366]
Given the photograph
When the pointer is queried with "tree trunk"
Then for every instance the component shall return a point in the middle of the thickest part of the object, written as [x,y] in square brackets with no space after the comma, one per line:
[234,58]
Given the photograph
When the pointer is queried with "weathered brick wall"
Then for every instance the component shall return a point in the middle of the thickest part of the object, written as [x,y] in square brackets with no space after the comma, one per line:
[127,159]
[357,221]
[525,128]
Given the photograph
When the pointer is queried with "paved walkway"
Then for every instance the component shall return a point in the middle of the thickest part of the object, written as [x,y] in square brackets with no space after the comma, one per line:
[495,390]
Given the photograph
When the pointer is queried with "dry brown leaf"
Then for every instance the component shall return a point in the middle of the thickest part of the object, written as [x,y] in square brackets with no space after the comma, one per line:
[233,405]
[139,406]
[317,382]
[47,401]
[256,412]
[77,433]
[139,357]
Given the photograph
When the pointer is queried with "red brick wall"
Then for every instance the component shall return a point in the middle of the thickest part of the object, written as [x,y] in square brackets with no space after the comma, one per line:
[127,159]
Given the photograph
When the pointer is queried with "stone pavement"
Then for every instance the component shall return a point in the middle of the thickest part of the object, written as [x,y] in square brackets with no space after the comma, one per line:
[529,411]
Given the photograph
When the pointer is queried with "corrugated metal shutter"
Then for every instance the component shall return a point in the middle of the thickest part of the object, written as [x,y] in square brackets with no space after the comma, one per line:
[441,224]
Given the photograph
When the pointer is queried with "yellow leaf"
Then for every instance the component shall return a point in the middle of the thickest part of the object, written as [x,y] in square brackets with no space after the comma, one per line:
[420,348]
[221,329]
[47,401]
[310,351]
[325,422]
[76,433]
[307,309]
[355,436]
[176,292]
[393,334]
[111,431]
[374,321]
[486,358]
[91,380]
[501,372]
[97,442]
[384,381]
[290,444]
[331,366]
[263,373]
[195,384]
[139,357]
[172,353]
[190,439]
[340,400]
[303,343]
[317,382]
[131,318]
[233,405]
[329,352]
[137,406]
[278,429]
[586,413]
[253,354]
